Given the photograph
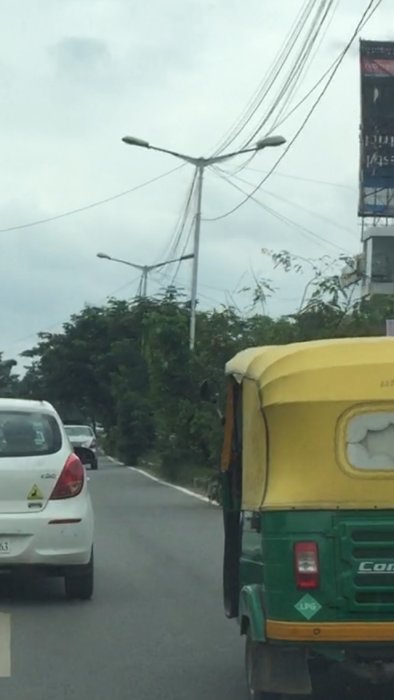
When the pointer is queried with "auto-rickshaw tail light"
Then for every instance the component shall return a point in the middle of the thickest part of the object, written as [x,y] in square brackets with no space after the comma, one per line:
[306,560]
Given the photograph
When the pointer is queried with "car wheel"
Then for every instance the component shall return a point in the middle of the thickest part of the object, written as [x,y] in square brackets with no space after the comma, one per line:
[80,585]
[94,464]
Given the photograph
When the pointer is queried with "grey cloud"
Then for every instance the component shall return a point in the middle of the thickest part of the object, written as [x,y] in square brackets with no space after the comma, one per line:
[81,56]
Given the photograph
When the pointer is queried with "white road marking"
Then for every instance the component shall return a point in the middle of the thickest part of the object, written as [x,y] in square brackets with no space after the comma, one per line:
[188,492]
[114,461]
[5,645]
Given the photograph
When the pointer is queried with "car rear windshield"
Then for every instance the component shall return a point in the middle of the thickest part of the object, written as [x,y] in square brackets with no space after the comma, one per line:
[24,434]
[74,430]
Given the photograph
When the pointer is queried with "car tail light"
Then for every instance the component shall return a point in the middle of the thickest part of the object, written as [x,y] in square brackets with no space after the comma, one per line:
[306,560]
[71,479]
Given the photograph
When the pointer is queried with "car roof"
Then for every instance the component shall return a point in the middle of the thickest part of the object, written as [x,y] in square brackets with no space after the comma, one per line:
[78,425]
[7,404]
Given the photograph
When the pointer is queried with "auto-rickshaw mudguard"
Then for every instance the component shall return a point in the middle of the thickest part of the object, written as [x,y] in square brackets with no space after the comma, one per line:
[251,615]
[274,668]
[278,669]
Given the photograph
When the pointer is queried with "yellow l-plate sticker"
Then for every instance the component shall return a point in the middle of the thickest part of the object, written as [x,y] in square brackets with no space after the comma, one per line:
[35,494]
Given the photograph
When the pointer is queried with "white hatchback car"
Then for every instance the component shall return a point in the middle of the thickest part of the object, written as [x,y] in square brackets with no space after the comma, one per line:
[46,515]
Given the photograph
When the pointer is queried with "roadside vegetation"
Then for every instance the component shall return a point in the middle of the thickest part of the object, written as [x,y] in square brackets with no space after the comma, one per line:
[127,365]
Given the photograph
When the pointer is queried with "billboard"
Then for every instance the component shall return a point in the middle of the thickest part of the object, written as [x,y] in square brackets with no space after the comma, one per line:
[377,129]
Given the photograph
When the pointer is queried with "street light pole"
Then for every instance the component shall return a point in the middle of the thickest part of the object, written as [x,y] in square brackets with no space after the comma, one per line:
[196,252]
[145,269]
[200,164]
[144,281]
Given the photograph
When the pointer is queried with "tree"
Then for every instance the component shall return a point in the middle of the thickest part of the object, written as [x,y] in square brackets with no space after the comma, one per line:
[9,382]
[128,364]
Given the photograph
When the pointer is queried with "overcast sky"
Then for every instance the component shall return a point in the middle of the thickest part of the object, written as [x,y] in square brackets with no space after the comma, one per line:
[76,75]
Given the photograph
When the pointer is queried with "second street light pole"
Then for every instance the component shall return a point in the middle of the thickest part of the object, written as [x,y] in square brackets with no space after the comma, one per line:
[196,253]
[200,164]
[144,282]
[145,269]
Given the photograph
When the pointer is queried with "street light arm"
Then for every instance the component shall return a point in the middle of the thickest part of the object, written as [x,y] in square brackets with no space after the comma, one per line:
[225,156]
[168,262]
[124,262]
[268,142]
[133,141]
[203,162]
[182,156]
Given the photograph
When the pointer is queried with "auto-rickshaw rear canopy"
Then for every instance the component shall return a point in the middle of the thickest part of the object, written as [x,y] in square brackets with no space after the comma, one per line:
[317,424]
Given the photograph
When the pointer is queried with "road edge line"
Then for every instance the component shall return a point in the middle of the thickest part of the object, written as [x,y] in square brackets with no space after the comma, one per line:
[114,461]
[5,645]
[182,489]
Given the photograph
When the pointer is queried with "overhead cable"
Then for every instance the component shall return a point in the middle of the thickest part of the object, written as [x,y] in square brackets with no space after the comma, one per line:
[296,72]
[365,17]
[184,250]
[175,243]
[297,206]
[269,79]
[92,205]
[108,297]
[306,30]
[293,224]
[314,181]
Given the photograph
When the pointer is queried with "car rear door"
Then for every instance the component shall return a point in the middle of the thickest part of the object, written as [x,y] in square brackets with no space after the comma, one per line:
[32,455]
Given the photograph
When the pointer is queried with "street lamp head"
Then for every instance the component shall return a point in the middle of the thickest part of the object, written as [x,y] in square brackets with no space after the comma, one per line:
[104,256]
[270,141]
[133,141]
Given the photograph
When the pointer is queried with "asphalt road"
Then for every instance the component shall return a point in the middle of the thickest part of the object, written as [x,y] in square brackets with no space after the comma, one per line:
[155,629]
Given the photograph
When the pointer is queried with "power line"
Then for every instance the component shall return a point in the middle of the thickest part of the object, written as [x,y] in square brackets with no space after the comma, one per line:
[169,249]
[299,206]
[298,69]
[188,237]
[165,275]
[183,220]
[366,16]
[305,179]
[237,285]
[322,37]
[289,222]
[93,204]
[61,323]
[174,244]
[339,58]
[326,219]
[294,74]
[268,80]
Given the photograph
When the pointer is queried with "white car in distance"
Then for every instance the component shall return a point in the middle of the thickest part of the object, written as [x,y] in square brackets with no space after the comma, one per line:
[46,515]
[83,436]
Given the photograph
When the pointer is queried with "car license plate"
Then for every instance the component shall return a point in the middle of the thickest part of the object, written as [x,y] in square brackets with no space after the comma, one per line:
[4,547]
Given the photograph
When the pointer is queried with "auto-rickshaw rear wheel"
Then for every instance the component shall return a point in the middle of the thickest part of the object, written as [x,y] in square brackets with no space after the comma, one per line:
[250,656]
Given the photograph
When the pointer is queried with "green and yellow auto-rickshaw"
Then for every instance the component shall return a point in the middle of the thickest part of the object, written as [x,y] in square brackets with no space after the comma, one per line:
[308,500]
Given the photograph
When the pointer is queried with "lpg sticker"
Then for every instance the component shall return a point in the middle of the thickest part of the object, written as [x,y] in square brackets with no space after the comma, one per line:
[308,606]
[35,494]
